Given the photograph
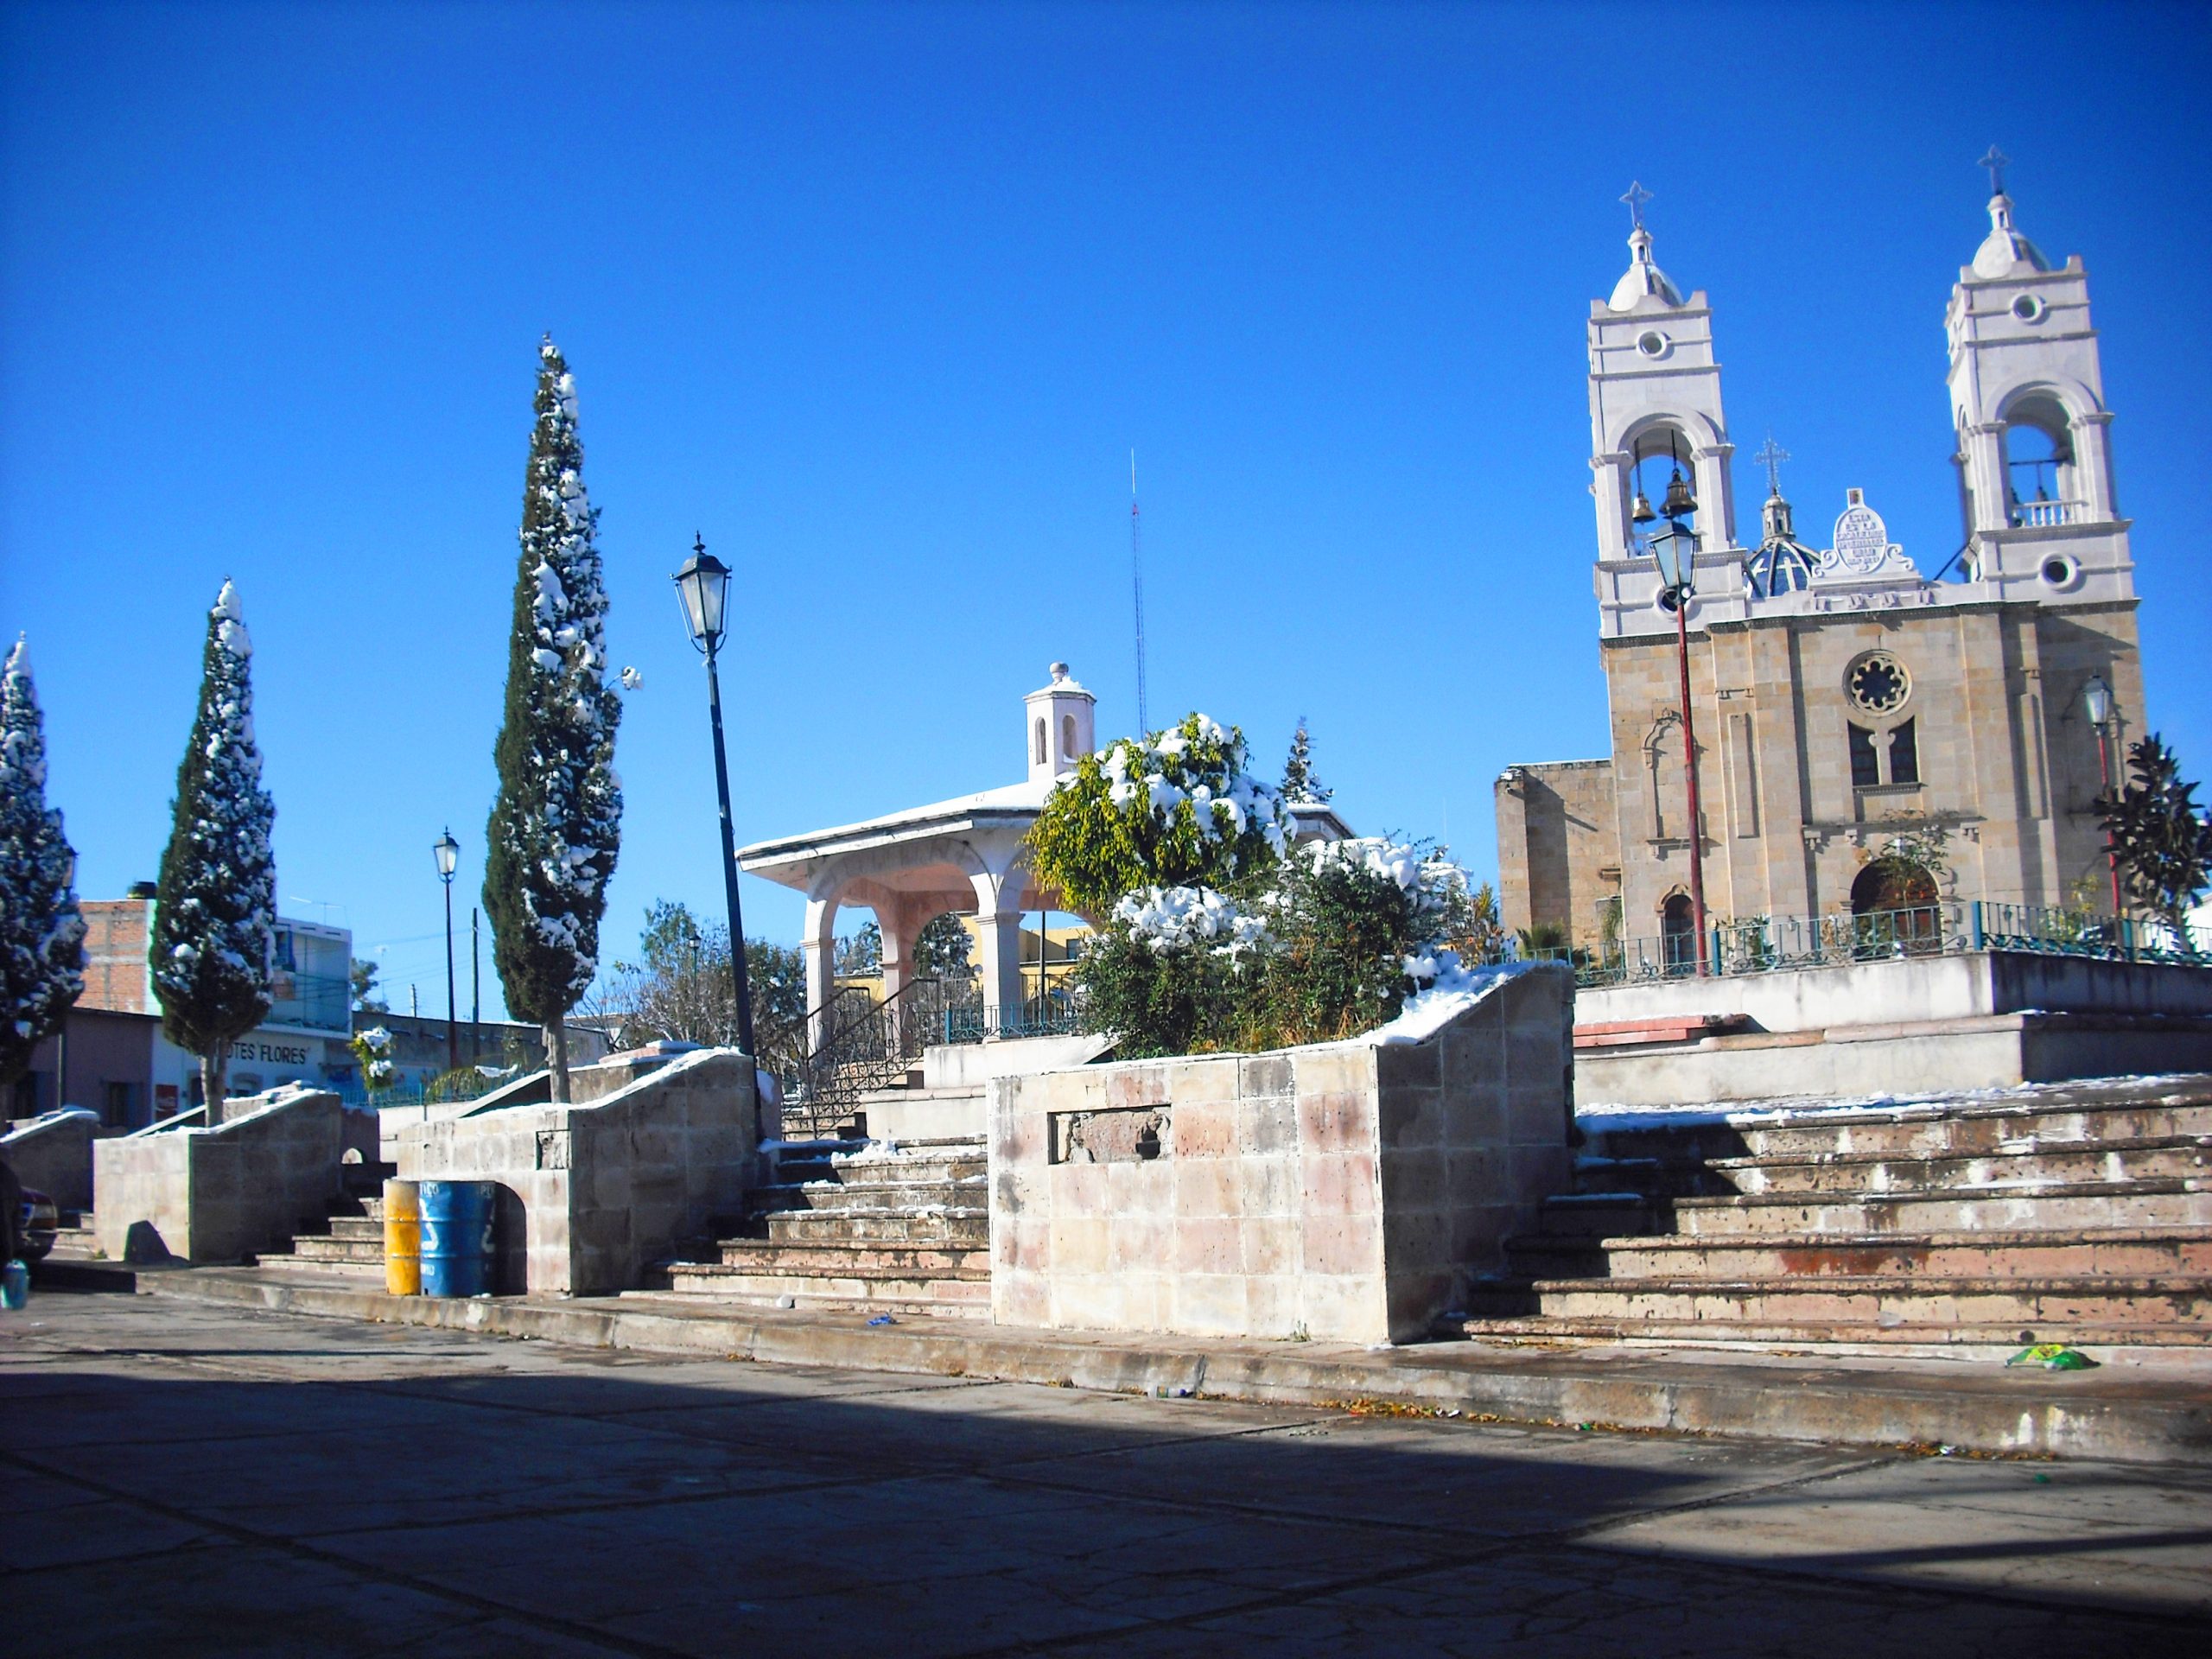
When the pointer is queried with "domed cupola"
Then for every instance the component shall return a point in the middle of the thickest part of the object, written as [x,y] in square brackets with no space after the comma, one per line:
[2004,251]
[1642,280]
[1781,564]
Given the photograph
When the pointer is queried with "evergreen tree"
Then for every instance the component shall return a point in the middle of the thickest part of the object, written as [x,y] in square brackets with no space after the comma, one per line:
[556,824]
[1298,782]
[2160,837]
[42,935]
[215,908]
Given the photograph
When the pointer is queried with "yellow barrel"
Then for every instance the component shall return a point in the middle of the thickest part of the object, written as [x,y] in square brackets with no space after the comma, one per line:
[403,1239]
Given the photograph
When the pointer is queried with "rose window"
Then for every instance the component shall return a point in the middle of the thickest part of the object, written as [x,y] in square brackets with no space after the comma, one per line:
[1877,684]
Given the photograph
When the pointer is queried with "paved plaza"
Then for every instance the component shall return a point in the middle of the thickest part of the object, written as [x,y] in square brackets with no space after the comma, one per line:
[183,1479]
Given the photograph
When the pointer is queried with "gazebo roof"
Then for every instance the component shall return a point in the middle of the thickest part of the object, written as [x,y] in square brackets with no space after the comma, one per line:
[793,860]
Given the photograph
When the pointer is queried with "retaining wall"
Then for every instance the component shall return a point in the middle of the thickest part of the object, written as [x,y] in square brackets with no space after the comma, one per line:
[650,1153]
[180,1189]
[52,1152]
[1341,1191]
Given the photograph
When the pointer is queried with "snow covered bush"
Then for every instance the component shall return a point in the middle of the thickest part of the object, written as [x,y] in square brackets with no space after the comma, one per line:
[372,1051]
[1360,924]
[1176,809]
[215,905]
[42,934]
[556,824]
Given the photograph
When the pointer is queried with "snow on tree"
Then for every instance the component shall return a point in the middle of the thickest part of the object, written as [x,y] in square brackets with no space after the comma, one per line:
[556,824]
[215,932]
[42,934]
[1298,781]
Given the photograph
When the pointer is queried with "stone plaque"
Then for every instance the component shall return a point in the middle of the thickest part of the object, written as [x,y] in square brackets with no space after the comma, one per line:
[1122,1135]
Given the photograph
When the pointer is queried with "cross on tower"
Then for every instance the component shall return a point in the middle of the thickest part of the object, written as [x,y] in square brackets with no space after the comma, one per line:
[1636,196]
[1771,456]
[1997,160]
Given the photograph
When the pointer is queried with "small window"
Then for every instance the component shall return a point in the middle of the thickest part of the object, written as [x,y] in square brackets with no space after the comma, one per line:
[1865,771]
[2029,308]
[115,1104]
[1041,756]
[1067,737]
[1904,755]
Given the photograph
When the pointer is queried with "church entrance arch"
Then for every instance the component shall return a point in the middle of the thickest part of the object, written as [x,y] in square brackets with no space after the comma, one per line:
[1895,908]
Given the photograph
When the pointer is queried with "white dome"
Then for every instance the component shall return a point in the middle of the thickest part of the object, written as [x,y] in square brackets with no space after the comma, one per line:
[1642,280]
[2004,251]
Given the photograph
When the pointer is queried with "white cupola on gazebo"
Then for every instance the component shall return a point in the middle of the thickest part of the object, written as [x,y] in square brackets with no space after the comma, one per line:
[1060,726]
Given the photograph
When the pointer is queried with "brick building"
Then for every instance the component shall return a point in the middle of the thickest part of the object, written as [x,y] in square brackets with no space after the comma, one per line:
[1843,698]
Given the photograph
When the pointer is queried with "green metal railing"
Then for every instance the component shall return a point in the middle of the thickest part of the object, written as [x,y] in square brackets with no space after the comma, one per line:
[1758,945]
[1053,1016]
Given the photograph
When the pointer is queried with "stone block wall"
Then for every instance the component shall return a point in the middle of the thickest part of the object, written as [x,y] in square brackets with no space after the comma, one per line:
[615,1180]
[53,1154]
[179,1189]
[1340,1191]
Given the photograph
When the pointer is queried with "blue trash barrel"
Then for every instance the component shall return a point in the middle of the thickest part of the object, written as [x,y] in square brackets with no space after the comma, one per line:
[456,1237]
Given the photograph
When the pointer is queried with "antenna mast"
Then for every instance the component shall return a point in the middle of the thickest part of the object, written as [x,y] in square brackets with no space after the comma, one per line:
[1136,582]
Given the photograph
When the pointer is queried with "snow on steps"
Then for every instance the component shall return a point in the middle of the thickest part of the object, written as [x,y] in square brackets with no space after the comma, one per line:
[2079,1212]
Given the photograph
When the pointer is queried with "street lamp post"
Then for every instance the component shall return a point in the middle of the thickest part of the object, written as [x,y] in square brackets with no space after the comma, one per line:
[446,851]
[2098,695]
[703,585]
[1675,549]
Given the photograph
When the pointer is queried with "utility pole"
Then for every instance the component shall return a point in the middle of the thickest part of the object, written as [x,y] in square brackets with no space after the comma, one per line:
[475,989]
[1137,580]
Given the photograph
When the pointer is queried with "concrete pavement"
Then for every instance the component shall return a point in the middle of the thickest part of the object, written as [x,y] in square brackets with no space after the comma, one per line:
[187,1480]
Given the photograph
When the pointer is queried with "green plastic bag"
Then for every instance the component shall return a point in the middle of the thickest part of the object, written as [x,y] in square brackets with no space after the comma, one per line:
[2054,1357]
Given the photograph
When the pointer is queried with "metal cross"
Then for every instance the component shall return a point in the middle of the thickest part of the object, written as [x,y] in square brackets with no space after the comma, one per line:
[1635,197]
[1771,456]
[1997,160]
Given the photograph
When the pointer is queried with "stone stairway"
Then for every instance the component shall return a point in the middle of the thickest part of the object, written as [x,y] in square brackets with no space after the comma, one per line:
[348,1244]
[901,1228]
[2079,1213]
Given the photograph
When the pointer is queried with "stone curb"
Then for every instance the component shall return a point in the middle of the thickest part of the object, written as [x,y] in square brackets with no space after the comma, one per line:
[1983,1411]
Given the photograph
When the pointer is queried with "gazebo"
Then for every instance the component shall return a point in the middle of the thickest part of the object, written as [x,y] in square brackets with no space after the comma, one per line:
[964,856]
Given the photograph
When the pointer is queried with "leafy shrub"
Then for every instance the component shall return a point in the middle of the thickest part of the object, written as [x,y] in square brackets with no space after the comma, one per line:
[1174,809]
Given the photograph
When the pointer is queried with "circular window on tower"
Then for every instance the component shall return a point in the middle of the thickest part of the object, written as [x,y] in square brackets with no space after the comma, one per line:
[2030,307]
[1652,343]
[1877,684]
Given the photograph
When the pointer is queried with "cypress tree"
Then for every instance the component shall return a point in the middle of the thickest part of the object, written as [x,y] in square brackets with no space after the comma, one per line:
[214,928]
[1298,782]
[556,824]
[42,934]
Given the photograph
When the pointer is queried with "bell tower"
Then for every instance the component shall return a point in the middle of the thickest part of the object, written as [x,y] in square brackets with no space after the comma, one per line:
[1062,725]
[2027,401]
[1655,413]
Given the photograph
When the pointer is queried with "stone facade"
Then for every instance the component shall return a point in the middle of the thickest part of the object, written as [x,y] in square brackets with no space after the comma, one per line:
[645,1159]
[217,1194]
[1842,697]
[1340,1191]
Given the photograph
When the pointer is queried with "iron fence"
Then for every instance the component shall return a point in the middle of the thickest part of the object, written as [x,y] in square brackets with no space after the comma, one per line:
[1758,944]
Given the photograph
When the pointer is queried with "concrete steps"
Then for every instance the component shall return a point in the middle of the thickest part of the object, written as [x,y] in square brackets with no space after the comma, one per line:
[901,1229]
[2080,1212]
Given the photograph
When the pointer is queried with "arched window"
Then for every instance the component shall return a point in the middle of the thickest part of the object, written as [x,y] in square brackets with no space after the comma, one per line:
[1042,757]
[1678,934]
[2042,486]
[1657,455]
[1067,736]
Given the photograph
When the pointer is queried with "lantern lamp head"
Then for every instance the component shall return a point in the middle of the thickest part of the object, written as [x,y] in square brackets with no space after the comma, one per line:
[703,586]
[446,851]
[2098,695]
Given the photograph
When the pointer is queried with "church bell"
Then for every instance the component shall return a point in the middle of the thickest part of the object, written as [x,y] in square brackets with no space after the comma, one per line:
[1679,502]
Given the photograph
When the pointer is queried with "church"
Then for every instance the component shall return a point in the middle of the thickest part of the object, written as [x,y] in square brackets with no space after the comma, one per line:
[1869,735]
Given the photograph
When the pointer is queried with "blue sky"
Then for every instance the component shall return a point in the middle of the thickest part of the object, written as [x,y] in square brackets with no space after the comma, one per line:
[879,298]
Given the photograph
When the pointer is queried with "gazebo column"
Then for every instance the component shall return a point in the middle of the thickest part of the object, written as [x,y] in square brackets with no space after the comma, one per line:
[998,931]
[901,923]
[818,944]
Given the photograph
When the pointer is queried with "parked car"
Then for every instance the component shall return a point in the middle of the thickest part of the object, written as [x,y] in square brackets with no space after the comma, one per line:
[39,1223]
